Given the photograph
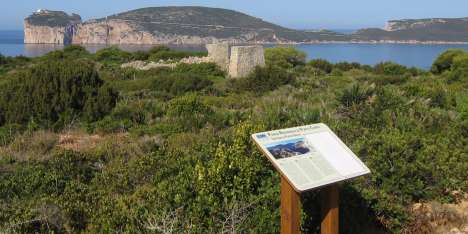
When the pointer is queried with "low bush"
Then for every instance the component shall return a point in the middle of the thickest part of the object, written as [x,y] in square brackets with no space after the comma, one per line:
[189,111]
[263,79]
[110,125]
[56,92]
[164,53]
[459,70]
[390,68]
[321,64]
[140,55]
[284,57]
[69,52]
[75,51]
[112,55]
[9,132]
[382,80]
[202,69]
[445,60]
[3,60]
[355,94]
[10,63]
[180,83]
[346,66]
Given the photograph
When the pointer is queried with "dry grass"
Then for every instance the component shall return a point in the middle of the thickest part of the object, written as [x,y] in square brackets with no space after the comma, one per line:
[78,141]
[31,146]
[434,217]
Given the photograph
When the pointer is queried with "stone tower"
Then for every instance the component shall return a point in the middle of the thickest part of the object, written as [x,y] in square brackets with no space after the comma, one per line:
[244,59]
[237,61]
[219,54]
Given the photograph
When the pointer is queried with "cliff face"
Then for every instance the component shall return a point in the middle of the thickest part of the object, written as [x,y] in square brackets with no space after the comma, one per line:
[44,34]
[114,31]
[122,32]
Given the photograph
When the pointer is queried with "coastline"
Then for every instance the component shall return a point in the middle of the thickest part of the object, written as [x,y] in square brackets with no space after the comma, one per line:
[371,42]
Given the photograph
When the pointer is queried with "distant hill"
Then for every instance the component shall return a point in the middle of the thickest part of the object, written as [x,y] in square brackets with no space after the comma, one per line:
[215,22]
[424,30]
[199,25]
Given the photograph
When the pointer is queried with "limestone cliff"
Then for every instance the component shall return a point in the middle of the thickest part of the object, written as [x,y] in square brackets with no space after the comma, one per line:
[115,31]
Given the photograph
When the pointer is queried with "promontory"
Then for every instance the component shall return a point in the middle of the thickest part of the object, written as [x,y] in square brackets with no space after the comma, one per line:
[203,25]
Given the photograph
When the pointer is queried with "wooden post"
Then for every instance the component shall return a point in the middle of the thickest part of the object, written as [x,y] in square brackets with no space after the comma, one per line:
[290,209]
[330,209]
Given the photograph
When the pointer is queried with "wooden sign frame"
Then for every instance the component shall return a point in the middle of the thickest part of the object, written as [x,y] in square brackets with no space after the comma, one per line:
[316,150]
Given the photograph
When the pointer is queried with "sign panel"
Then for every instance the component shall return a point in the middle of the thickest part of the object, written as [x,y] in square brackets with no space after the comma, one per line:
[310,156]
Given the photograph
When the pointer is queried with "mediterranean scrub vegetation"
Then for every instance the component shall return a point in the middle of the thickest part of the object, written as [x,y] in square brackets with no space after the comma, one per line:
[89,147]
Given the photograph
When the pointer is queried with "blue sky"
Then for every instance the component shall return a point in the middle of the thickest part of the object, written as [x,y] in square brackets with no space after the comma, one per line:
[303,14]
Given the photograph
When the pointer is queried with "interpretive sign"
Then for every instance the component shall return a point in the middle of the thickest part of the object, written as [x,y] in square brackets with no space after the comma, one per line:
[310,156]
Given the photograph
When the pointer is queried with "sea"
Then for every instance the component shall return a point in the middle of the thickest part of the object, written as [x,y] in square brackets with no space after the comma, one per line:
[412,55]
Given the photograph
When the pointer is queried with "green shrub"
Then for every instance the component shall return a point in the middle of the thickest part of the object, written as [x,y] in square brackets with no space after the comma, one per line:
[355,94]
[284,57]
[55,92]
[140,55]
[179,83]
[69,52]
[445,60]
[9,63]
[386,79]
[321,64]
[112,55]
[390,68]
[189,111]
[459,71]
[164,53]
[157,49]
[263,79]
[438,97]
[202,69]
[134,112]
[75,51]
[3,60]
[110,125]
[187,106]
[346,66]
[9,132]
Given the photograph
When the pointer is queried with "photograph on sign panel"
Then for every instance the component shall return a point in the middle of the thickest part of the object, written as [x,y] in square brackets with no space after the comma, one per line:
[289,148]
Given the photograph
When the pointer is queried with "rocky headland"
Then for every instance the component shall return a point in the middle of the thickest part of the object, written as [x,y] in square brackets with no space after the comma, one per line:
[203,25]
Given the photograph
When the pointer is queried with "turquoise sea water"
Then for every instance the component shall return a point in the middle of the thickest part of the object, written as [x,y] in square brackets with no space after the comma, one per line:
[422,56]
